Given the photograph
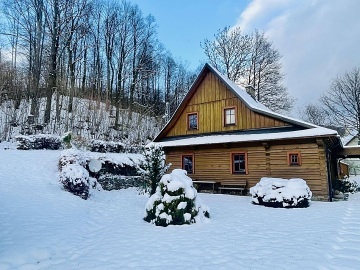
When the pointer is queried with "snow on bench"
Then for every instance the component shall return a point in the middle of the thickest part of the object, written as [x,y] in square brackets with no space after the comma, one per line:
[233,185]
[211,182]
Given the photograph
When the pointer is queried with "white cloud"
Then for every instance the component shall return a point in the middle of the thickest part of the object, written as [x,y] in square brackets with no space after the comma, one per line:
[318,39]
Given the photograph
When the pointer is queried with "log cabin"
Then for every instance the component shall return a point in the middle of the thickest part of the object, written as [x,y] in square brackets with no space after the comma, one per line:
[221,135]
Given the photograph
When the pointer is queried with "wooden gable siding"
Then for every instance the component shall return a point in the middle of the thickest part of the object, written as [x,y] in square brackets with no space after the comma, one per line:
[214,163]
[209,101]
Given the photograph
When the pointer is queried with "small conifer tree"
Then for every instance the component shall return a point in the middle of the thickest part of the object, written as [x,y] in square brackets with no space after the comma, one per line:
[153,168]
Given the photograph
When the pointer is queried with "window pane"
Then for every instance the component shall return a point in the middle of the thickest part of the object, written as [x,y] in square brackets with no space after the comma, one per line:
[188,164]
[192,118]
[294,159]
[229,116]
[239,163]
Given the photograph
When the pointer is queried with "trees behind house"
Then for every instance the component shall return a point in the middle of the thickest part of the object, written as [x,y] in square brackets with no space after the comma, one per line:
[342,100]
[315,114]
[104,51]
[250,59]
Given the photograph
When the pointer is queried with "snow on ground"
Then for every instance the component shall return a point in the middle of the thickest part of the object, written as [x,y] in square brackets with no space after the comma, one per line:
[44,227]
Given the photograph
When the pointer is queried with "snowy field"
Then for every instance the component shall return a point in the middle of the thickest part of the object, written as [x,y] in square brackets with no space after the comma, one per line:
[44,227]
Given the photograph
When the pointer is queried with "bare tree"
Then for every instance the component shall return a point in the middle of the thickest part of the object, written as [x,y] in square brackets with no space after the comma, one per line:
[229,52]
[27,34]
[250,59]
[264,74]
[74,49]
[315,114]
[342,100]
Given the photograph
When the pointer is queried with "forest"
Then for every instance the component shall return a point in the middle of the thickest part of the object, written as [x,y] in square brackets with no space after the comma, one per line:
[95,68]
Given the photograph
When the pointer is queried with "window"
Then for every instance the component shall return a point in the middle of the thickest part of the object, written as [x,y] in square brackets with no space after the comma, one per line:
[192,121]
[229,116]
[239,163]
[188,163]
[294,159]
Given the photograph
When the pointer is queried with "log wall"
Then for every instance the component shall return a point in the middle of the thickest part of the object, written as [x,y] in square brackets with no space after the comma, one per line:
[214,163]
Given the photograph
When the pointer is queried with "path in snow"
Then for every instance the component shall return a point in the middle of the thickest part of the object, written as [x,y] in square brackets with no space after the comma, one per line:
[345,249]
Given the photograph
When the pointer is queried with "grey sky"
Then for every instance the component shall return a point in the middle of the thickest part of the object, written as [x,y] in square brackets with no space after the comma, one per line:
[319,40]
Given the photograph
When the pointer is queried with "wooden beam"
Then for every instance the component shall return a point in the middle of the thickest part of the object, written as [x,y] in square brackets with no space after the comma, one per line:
[349,152]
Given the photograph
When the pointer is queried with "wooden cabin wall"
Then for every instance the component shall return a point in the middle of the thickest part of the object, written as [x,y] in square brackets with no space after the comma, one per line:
[215,164]
[209,100]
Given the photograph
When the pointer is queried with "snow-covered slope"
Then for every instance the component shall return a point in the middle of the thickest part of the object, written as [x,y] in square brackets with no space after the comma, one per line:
[44,227]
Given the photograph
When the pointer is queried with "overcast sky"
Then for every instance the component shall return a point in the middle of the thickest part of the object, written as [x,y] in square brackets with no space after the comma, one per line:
[318,39]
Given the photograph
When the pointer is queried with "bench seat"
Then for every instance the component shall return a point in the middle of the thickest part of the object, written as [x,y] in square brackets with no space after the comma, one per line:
[233,185]
[211,182]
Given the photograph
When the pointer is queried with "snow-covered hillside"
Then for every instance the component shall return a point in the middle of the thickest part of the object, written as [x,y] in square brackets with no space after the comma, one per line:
[44,227]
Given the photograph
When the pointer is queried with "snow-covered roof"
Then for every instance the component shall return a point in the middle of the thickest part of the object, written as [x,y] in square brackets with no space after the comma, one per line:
[350,139]
[253,105]
[231,138]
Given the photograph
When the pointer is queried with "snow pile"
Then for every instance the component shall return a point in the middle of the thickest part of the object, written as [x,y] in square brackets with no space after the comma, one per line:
[39,141]
[175,201]
[278,192]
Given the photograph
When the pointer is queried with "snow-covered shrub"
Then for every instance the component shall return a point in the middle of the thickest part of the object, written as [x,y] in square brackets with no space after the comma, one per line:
[115,182]
[118,170]
[75,179]
[174,202]
[278,192]
[106,146]
[344,185]
[152,168]
[39,141]
[73,156]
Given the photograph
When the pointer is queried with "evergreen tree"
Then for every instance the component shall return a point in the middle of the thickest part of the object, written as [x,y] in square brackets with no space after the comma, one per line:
[153,168]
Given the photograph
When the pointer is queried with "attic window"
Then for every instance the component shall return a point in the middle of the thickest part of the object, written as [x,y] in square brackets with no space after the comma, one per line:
[192,121]
[294,159]
[229,116]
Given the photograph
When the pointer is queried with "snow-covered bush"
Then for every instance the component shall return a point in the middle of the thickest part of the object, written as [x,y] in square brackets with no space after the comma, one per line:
[75,179]
[39,141]
[152,168]
[73,156]
[174,202]
[278,192]
[118,170]
[115,182]
[106,146]
[344,185]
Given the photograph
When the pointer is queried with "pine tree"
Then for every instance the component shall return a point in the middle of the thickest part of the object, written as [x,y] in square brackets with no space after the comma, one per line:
[153,168]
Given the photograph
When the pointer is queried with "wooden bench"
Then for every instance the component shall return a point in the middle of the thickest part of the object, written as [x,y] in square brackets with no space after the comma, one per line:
[211,182]
[233,185]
